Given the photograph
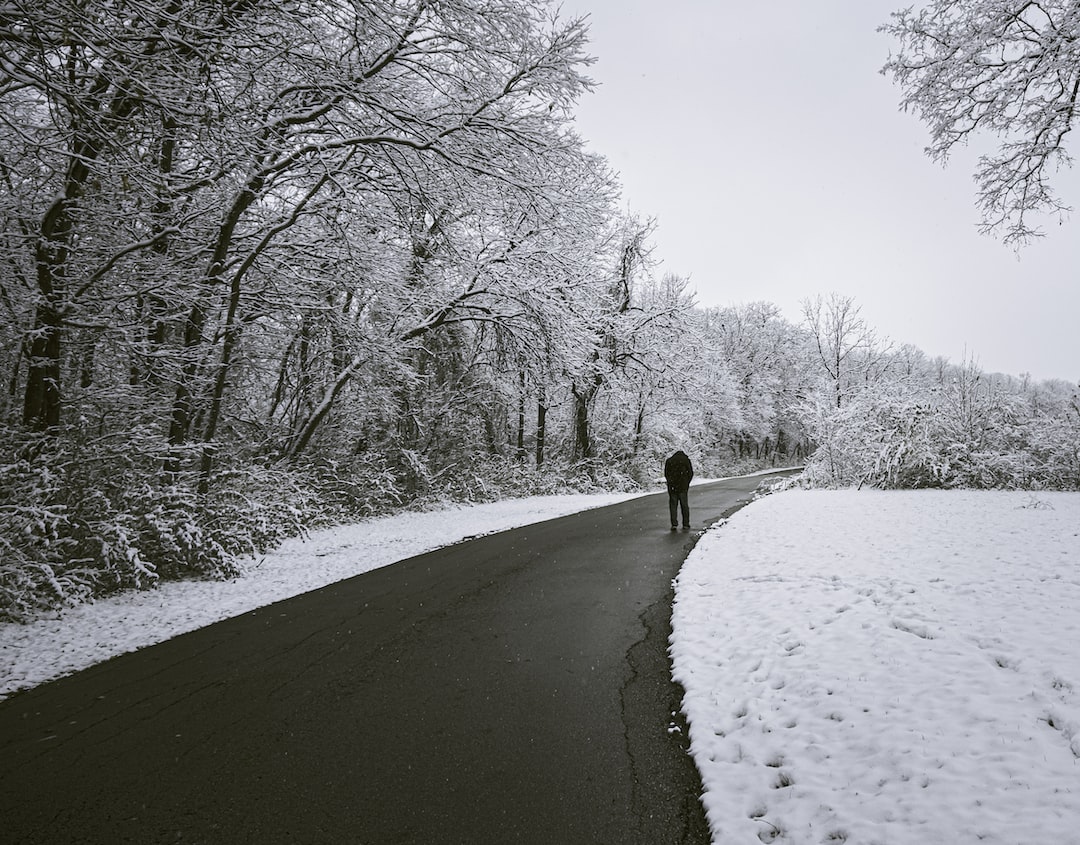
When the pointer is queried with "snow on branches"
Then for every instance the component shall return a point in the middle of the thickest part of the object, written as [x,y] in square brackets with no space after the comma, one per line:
[1001,68]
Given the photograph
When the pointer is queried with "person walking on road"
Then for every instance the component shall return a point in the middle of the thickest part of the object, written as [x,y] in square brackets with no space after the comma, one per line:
[678,471]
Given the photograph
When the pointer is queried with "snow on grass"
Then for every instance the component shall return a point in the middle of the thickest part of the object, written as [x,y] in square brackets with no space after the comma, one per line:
[81,636]
[886,667]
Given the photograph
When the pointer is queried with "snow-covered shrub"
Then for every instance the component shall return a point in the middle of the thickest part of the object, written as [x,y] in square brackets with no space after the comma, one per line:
[87,516]
[968,431]
[62,541]
[849,441]
[131,523]
[348,490]
[37,568]
[251,509]
[601,478]
[1054,446]
[488,478]
[177,536]
[105,536]
[906,457]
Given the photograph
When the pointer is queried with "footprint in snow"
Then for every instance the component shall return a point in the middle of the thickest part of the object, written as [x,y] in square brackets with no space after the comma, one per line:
[913,628]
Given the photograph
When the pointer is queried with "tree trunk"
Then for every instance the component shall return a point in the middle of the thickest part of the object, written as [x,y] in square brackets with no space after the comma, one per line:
[13,382]
[41,405]
[639,427]
[521,421]
[152,308]
[541,430]
[318,414]
[181,418]
[86,363]
[232,336]
[582,443]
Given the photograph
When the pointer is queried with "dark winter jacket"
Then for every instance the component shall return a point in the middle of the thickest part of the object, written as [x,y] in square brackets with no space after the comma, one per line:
[678,471]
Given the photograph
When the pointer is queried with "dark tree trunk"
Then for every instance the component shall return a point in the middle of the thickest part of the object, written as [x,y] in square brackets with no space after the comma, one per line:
[86,364]
[152,308]
[41,405]
[541,430]
[13,382]
[521,421]
[582,442]
[181,418]
[639,427]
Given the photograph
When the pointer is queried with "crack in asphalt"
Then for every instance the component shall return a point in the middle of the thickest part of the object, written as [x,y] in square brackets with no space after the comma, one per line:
[624,691]
[666,786]
[664,777]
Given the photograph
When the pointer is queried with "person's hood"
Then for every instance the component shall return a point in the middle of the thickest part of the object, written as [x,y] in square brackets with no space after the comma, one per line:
[680,454]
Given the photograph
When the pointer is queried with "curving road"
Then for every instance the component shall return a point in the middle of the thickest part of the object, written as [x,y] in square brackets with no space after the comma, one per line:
[514,688]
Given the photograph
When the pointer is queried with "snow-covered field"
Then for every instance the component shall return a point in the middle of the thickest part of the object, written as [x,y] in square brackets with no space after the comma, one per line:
[886,667]
[82,636]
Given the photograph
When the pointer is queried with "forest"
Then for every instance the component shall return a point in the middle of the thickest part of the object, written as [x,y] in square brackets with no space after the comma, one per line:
[268,265]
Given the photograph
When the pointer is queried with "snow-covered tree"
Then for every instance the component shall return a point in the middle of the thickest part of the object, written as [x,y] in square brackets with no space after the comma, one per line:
[845,347]
[225,222]
[1000,68]
[765,356]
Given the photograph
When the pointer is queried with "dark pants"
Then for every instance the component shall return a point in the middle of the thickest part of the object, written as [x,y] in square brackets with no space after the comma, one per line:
[679,498]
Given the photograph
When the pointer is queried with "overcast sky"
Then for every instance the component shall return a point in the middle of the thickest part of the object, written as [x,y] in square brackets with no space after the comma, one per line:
[773,156]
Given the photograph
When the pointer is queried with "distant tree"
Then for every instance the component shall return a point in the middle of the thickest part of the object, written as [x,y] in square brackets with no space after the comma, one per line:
[763,356]
[1004,68]
[848,350]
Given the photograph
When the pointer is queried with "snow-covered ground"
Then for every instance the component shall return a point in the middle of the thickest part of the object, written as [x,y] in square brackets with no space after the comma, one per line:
[868,667]
[78,637]
[886,667]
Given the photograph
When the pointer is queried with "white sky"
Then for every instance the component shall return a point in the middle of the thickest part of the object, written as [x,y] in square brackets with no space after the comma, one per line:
[773,156]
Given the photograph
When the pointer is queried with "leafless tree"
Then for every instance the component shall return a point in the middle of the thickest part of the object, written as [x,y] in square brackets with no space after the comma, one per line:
[847,348]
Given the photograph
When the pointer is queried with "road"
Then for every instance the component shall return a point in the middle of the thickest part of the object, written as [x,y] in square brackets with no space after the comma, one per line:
[514,688]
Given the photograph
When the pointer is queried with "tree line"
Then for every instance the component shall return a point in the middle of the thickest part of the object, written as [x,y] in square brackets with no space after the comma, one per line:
[274,264]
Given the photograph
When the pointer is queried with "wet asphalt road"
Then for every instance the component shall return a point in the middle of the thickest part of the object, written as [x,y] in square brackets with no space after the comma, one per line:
[511,689]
